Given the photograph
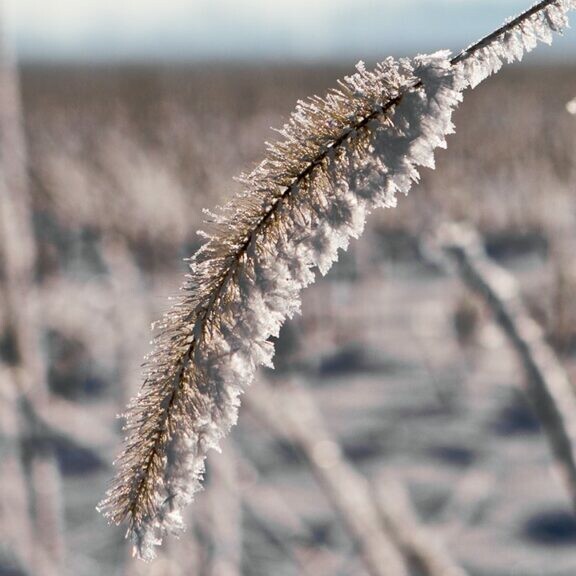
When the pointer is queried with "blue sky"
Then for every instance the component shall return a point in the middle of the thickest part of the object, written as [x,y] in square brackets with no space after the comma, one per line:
[254,29]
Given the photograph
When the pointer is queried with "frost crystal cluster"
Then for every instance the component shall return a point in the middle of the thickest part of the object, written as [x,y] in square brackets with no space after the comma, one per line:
[518,36]
[338,158]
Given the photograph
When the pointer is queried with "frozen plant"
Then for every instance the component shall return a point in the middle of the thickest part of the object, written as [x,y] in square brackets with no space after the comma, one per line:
[337,159]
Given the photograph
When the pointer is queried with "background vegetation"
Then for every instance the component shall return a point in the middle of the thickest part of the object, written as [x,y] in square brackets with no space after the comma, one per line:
[414,381]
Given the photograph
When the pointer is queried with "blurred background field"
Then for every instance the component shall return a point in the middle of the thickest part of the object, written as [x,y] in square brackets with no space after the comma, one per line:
[415,382]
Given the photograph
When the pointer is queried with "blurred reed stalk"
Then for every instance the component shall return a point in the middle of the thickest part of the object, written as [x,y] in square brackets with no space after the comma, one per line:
[422,547]
[26,363]
[132,312]
[560,323]
[15,525]
[294,538]
[382,522]
[547,386]
[225,515]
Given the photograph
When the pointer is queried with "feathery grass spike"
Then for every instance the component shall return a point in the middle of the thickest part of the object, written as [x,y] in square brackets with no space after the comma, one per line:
[338,158]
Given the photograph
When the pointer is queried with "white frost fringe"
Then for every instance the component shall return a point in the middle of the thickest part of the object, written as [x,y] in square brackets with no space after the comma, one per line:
[269,290]
[515,42]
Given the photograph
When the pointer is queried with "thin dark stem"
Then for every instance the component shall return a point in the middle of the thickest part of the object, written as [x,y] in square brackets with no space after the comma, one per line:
[511,25]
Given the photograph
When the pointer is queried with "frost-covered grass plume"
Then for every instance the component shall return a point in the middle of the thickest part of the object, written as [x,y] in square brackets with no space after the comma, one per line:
[337,159]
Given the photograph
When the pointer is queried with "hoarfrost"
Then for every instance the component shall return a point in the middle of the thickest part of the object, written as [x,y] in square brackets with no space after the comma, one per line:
[338,159]
[519,38]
